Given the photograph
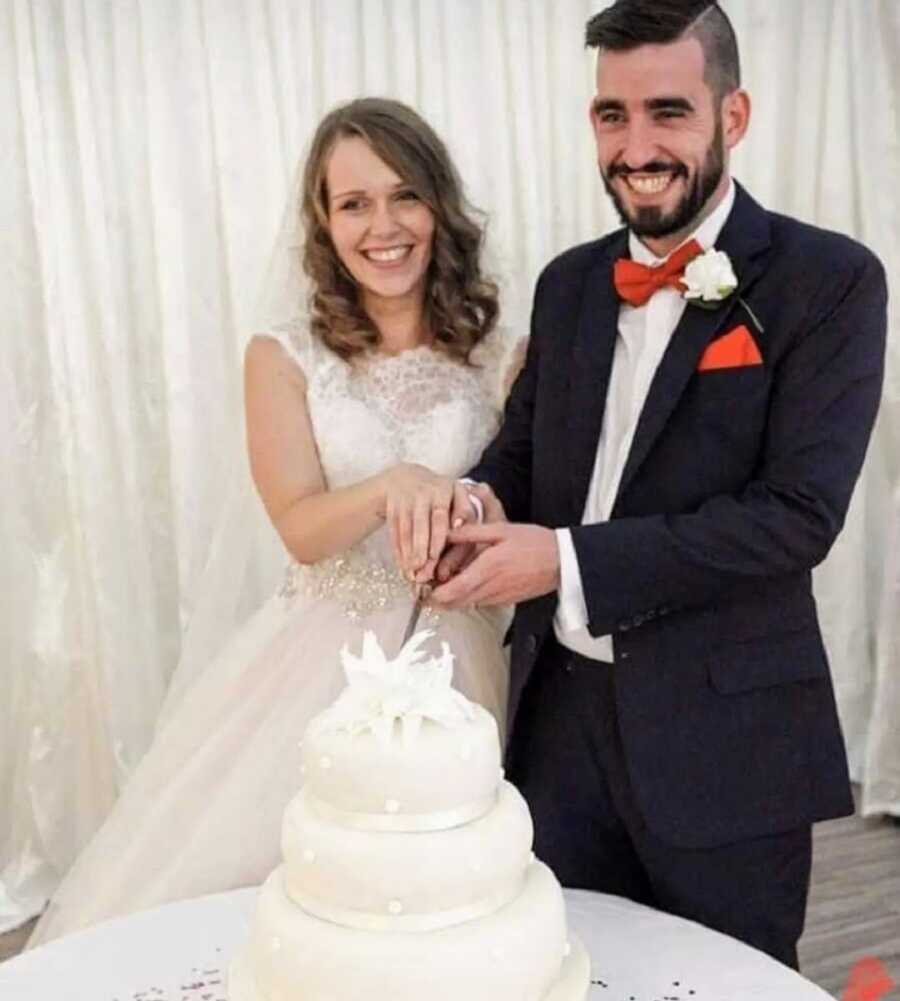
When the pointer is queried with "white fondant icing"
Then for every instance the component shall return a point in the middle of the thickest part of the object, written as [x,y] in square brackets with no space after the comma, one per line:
[395,920]
[574,979]
[360,871]
[366,772]
[399,823]
[320,959]
[572,984]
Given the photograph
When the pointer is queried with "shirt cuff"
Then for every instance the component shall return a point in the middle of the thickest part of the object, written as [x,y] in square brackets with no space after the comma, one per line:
[475,501]
[572,608]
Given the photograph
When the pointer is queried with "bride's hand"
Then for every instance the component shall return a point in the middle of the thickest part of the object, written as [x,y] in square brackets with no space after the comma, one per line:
[416,507]
[462,512]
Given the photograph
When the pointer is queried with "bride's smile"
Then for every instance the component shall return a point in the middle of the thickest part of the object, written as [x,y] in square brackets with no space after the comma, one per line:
[382,231]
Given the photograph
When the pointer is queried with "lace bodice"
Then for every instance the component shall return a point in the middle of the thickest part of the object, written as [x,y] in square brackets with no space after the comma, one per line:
[418,406]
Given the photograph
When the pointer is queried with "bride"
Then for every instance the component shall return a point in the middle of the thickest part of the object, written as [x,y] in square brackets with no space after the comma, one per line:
[398,371]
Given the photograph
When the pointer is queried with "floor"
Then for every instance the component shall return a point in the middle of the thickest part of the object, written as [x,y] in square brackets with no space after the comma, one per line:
[854,907]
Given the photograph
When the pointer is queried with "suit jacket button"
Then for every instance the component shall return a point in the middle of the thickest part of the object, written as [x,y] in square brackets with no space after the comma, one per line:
[532,642]
[624,655]
[624,626]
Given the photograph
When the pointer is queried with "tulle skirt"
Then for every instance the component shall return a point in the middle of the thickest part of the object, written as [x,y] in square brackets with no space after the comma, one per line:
[202,812]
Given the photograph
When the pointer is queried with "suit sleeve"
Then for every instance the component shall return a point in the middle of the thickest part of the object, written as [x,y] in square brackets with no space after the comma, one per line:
[825,395]
[506,464]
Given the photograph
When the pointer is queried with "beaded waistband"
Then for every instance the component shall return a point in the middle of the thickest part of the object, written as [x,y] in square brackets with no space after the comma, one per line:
[360,584]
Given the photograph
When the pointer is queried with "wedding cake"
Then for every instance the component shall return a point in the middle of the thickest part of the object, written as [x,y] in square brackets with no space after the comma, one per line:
[408,872]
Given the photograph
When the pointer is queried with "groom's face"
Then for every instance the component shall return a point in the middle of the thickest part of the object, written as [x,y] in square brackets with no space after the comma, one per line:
[659,132]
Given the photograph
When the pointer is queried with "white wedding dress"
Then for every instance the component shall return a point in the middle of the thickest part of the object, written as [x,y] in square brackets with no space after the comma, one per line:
[202,812]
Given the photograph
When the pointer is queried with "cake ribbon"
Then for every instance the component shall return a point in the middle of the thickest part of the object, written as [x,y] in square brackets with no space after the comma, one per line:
[369,921]
[438,820]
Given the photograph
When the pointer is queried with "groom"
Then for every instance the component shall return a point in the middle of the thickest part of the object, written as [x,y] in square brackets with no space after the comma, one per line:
[677,454]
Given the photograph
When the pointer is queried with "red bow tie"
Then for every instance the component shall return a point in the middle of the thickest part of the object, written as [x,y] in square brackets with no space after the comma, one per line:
[636,282]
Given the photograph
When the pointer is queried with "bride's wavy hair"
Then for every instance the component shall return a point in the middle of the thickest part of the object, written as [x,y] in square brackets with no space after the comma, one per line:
[460,302]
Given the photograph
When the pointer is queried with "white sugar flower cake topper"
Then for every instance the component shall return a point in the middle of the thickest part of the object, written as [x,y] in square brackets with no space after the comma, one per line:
[410,688]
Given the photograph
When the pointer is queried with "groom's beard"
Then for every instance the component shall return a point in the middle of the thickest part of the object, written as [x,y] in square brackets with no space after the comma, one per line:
[650,220]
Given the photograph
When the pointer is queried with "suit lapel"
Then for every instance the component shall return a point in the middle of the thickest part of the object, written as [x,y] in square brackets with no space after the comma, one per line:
[591,363]
[745,237]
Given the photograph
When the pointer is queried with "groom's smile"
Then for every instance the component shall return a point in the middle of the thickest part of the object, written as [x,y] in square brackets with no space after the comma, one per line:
[649,184]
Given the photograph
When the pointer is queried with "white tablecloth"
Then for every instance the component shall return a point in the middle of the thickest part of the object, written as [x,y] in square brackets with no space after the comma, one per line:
[180,952]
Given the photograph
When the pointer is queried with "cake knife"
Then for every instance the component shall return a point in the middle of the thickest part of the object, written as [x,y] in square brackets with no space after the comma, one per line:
[422,592]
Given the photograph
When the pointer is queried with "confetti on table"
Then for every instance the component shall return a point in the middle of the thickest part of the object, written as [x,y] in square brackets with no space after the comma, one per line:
[198,985]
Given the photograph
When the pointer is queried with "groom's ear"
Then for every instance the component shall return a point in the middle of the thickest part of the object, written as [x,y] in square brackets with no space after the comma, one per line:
[735,111]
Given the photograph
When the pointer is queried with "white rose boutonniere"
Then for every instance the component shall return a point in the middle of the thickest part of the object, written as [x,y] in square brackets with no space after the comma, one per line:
[708,279]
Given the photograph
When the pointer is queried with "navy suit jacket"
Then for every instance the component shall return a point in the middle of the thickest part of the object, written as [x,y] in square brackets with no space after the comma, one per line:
[736,486]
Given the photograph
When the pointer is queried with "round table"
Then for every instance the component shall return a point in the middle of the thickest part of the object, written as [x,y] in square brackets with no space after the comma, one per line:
[180,952]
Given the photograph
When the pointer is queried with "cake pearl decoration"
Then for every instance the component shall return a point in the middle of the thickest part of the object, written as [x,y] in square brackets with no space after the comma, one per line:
[391,806]
[567,949]
[496,952]
[275,945]
[309,855]
[475,866]
[325,762]
[395,907]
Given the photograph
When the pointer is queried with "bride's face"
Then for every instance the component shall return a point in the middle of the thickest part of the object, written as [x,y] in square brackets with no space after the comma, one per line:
[381,230]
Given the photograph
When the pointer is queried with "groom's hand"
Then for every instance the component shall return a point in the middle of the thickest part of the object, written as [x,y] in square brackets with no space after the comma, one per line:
[518,562]
[457,557]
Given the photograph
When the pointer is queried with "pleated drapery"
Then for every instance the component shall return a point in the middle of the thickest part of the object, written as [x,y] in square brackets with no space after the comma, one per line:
[148,149]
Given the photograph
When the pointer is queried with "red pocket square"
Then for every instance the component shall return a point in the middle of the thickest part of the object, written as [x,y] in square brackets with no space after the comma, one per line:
[735,349]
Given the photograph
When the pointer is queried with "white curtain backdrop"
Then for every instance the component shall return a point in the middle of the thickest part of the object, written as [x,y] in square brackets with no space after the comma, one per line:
[149,146]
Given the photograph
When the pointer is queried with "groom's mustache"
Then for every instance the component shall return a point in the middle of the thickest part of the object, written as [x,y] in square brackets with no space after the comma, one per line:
[653,167]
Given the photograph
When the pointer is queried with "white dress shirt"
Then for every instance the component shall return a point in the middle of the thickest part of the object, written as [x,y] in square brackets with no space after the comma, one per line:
[643,335]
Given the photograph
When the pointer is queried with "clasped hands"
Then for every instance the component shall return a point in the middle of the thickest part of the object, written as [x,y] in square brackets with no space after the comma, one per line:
[436,538]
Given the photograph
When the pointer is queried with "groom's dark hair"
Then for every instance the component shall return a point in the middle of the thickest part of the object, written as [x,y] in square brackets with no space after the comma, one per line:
[628,24]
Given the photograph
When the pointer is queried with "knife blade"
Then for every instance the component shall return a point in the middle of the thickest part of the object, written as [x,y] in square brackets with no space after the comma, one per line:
[422,592]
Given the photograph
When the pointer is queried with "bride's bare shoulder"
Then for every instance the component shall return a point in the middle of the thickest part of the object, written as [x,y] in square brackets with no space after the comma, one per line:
[269,354]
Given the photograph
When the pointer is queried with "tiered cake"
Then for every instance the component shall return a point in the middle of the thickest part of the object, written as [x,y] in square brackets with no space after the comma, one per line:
[408,872]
